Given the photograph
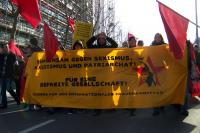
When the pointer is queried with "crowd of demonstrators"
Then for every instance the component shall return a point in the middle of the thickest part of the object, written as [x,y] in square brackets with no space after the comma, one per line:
[11,67]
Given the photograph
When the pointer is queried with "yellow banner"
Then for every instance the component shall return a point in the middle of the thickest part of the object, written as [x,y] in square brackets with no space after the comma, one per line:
[83,31]
[140,77]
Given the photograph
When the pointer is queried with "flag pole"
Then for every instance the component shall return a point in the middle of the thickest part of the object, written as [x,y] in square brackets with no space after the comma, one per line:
[197,36]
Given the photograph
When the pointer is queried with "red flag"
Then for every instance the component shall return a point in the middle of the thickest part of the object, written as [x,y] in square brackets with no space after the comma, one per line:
[29,10]
[15,50]
[51,43]
[176,29]
[71,23]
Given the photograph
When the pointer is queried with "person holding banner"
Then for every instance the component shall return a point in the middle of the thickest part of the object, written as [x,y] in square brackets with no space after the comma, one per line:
[131,44]
[76,46]
[158,40]
[33,47]
[103,41]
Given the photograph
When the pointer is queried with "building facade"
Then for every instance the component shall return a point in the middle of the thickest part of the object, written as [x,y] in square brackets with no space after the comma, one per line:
[54,13]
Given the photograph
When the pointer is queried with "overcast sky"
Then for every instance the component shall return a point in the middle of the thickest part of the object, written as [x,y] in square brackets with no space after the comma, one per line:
[142,17]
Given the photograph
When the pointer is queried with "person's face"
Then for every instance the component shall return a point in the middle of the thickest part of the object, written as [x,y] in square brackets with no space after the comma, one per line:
[29,50]
[132,43]
[140,44]
[77,47]
[5,49]
[125,45]
[158,38]
[102,39]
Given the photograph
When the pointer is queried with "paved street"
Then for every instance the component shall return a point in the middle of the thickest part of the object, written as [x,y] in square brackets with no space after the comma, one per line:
[16,120]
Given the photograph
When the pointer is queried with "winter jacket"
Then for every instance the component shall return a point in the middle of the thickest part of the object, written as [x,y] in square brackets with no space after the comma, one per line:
[90,43]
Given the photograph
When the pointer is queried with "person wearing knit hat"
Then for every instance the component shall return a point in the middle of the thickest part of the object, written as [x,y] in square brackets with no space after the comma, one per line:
[132,42]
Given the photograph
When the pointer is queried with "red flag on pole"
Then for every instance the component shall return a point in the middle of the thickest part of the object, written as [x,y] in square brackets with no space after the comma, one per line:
[29,10]
[15,50]
[176,29]
[51,42]
[71,23]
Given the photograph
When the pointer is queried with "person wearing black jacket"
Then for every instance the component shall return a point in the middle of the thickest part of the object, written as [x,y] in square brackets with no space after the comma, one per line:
[8,63]
[103,41]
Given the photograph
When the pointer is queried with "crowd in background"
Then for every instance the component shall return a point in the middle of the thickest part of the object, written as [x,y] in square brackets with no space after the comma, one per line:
[12,67]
